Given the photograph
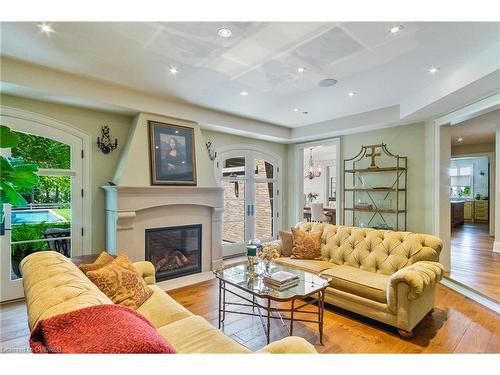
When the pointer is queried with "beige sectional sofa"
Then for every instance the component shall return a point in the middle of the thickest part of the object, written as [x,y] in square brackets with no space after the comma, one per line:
[53,285]
[385,275]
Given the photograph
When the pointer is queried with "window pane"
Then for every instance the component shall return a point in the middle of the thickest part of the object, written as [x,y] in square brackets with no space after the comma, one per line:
[45,223]
[263,169]
[465,171]
[264,205]
[234,212]
[234,167]
[44,152]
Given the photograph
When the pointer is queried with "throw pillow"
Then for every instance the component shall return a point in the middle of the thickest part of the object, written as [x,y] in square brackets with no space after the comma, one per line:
[103,259]
[98,329]
[121,283]
[307,244]
[286,243]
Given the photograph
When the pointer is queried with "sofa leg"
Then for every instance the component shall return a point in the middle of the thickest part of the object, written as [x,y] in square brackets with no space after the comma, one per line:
[405,334]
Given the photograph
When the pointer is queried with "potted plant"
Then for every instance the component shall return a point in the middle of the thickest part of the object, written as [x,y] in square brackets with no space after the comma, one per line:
[15,175]
[312,196]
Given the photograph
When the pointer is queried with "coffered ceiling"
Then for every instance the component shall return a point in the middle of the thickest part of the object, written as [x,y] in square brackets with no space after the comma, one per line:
[381,68]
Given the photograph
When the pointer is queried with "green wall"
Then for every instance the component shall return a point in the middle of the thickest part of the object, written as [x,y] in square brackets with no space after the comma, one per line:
[102,166]
[406,140]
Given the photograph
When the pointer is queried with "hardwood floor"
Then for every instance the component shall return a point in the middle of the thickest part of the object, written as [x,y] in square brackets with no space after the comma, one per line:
[473,263]
[457,325]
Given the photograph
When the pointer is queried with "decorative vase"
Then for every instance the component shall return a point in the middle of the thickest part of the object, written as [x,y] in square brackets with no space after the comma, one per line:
[251,267]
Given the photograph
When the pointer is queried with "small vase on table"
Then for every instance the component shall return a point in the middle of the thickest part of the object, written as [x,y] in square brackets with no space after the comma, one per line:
[251,253]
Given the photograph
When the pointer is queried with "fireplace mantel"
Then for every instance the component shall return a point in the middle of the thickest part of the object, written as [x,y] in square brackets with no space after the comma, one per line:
[127,208]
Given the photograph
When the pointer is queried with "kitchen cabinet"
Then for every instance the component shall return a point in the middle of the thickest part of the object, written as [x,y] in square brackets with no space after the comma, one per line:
[481,210]
[457,213]
[469,210]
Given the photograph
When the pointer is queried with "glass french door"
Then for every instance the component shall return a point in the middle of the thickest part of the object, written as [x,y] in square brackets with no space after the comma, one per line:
[251,209]
[52,219]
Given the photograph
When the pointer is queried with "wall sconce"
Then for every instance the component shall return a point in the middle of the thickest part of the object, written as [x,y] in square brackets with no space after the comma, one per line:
[104,143]
[211,154]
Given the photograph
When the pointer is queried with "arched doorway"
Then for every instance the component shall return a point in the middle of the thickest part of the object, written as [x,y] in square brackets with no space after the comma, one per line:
[251,178]
[58,210]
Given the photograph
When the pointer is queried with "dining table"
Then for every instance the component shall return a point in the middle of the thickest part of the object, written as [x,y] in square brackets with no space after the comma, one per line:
[329,212]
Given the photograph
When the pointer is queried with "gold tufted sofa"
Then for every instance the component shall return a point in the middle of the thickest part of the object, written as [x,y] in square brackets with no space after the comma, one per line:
[53,285]
[385,275]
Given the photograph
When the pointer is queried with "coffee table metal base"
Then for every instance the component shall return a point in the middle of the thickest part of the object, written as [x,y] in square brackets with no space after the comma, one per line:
[269,309]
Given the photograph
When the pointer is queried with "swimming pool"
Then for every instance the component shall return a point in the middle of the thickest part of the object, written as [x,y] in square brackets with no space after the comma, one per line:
[35,217]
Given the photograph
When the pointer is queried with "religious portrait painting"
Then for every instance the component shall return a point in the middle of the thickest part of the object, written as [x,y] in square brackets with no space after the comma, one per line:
[172,154]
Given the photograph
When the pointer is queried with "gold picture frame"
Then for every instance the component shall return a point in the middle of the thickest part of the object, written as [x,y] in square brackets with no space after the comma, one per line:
[172,154]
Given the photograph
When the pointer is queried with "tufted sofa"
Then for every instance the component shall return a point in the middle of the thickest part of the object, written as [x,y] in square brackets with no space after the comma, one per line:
[53,285]
[385,275]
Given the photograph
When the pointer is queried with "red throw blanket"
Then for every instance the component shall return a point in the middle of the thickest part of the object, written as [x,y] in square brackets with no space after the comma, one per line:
[98,329]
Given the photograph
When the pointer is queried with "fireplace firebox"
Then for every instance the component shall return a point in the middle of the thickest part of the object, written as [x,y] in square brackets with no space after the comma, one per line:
[174,251]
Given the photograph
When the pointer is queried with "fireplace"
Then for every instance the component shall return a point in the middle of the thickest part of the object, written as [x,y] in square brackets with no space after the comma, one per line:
[174,251]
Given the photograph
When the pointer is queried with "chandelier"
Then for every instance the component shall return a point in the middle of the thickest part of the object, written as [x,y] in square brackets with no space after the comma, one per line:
[312,171]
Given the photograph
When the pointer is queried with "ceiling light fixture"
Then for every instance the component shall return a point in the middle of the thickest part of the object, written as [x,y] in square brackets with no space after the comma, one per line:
[295,109]
[351,94]
[244,93]
[224,32]
[45,28]
[301,69]
[327,82]
[460,139]
[396,29]
[312,170]
[173,70]
[433,70]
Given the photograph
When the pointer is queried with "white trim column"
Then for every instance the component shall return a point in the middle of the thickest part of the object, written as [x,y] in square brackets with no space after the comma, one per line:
[496,244]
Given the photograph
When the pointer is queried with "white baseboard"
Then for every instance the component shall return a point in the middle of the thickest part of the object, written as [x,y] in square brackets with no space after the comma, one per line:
[185,280]
[490,304]
[496,247]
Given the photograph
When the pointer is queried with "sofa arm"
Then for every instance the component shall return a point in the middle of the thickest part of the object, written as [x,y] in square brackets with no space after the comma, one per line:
[289,345]
[420,276]
[147,271]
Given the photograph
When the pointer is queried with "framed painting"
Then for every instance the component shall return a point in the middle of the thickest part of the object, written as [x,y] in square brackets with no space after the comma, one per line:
[172,154]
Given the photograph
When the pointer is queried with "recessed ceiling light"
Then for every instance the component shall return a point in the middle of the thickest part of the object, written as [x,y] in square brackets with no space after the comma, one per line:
[460,139]
[173,70]
[301,69]
[244,93]
[45,28]
[295,109]
[396,29]
[351,94]
[327,82]
[433,70]
[305,113]
[224,32]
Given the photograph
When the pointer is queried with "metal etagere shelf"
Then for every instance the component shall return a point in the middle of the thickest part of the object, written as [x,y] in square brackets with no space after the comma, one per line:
[376,195]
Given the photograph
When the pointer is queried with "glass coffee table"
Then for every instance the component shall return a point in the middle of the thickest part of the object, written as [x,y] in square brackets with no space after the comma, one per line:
[236,281]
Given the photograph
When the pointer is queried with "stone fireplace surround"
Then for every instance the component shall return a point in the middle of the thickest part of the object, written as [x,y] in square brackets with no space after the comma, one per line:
[132,210]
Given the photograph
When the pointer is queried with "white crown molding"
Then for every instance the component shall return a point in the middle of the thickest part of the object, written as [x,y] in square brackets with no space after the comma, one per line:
[46,84]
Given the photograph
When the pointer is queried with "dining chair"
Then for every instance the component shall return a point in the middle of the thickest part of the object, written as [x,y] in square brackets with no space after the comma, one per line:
[317,213]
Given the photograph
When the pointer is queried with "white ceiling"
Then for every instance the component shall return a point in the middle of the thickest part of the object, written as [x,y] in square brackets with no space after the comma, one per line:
[480,129]
[321,153]
[262,59]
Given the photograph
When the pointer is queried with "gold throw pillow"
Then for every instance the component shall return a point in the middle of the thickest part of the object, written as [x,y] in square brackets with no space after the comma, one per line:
[307,245]
[103,259]
[121,283]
